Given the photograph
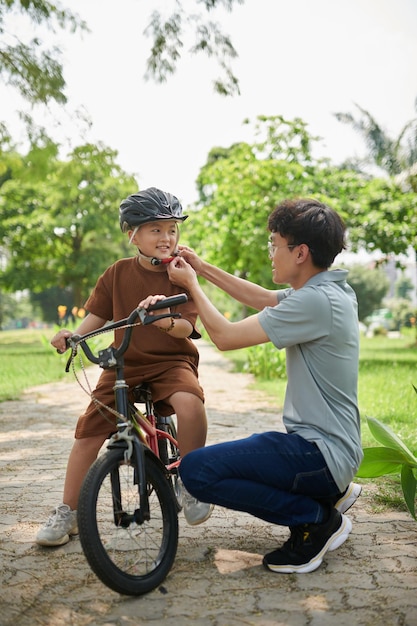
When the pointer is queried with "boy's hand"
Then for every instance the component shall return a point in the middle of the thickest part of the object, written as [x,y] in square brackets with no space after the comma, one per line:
[147,302]
[59,340]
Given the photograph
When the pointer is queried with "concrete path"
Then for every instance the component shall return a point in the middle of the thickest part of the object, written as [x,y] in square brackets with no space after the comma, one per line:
[217,578]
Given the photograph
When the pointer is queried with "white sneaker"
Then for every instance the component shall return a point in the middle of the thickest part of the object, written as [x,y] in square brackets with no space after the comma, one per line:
[59,527]
[195,512]
[349,498]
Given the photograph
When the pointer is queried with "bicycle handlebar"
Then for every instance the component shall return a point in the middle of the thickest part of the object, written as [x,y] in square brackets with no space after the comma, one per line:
[141,313]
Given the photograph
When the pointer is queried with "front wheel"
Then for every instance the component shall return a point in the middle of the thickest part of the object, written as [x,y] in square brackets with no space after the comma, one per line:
[130,556]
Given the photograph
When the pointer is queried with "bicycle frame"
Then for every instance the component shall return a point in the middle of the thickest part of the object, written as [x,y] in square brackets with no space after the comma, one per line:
[145,432]
[146,427]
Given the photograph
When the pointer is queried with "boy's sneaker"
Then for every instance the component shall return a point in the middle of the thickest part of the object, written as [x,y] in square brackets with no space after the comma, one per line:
[59,527]
[304,550]
[349,498]
[195,512]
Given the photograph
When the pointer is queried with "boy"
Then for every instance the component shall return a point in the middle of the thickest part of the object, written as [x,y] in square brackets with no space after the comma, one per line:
[161,354]
[301,478]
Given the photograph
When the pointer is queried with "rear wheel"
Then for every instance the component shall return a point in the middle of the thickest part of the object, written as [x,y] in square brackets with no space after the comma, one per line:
[129,555]
[168,451]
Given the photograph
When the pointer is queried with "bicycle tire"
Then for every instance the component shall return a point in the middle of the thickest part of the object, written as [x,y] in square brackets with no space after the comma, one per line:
[130,560]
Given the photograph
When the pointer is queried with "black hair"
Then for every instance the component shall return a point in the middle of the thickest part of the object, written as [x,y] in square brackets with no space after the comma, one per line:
[313,223]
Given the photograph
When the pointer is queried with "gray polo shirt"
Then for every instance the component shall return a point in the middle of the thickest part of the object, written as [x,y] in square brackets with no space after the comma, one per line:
[318,327]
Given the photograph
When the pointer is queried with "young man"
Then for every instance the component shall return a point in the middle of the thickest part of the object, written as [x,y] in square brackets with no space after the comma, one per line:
[162,354]
[301,478]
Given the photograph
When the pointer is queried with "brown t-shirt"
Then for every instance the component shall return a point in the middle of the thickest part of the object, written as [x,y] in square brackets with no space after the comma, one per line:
[167,364]
[119,290]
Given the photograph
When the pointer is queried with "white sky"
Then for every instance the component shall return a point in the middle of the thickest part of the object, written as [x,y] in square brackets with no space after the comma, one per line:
[306,58]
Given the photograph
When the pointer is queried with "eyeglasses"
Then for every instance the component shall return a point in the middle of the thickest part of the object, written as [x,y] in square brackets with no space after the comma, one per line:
[272,249]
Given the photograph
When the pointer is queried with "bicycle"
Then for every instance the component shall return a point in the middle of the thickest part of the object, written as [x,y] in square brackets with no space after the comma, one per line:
[128,506]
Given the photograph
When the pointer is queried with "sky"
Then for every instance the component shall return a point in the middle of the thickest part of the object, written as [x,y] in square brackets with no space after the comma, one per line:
[298,58]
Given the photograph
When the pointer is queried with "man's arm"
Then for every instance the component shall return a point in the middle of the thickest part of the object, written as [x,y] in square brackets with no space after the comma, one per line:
[225,335]
[241,290]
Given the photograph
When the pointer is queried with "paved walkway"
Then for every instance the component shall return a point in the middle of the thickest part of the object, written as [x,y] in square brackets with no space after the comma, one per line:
[217,578]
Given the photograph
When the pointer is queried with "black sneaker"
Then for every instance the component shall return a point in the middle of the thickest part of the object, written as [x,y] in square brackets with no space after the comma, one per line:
[303,552]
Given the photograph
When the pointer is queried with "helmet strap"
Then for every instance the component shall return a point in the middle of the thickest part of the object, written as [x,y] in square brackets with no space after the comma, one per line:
[132,236]
[153,260]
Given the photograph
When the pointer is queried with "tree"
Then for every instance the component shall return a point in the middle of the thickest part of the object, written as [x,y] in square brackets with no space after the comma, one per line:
[35,72]
[239,187]
[392,154]
[392,216]
[61,229]
[167,42]
[370,285]
[38,74]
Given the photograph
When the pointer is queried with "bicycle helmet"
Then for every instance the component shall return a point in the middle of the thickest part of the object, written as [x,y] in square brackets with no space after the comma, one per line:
[149,205]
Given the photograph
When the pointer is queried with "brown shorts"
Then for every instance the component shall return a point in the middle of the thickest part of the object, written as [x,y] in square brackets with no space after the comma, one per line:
[162,383]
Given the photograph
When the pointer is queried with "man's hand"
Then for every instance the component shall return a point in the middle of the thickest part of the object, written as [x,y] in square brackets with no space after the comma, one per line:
[181,273]
[191,257]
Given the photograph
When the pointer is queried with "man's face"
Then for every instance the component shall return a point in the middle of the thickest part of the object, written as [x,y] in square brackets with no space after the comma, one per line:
[281,254]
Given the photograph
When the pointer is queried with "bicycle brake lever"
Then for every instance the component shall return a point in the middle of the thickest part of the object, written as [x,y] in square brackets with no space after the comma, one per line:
[72,344]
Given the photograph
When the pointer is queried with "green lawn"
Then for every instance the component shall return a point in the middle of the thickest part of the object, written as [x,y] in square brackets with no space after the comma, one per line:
[387,373]
[27,359]
[388,370]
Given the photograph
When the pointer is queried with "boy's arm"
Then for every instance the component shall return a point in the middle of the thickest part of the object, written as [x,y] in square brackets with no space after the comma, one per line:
[90,322]
[242,290]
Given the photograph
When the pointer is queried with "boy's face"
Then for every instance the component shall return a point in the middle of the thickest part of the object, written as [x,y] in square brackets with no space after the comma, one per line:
[157,239]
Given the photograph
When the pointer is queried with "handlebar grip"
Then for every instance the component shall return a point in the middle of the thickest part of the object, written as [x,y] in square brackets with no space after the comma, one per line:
[181,298]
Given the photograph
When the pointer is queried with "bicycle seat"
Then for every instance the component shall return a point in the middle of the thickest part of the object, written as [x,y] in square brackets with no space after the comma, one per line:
[141,393]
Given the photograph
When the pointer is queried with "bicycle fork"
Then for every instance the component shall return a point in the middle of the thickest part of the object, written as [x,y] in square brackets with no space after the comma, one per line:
[135,450]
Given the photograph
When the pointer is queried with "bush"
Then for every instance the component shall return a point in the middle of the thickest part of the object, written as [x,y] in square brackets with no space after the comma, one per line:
[266,362]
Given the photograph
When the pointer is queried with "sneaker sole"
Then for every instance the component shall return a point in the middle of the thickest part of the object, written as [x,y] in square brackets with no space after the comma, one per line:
[332,543]
[51,542]
[57,542]
[201,520]
[349,498]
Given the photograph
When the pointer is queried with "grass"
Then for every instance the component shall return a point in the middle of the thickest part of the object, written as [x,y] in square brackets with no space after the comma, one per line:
[27,360]
[387,372]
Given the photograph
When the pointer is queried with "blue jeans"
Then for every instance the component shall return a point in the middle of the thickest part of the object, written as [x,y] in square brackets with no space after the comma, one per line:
[278,477]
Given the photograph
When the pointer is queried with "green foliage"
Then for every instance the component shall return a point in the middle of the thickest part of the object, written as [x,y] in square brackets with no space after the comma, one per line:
[36,73]
[239,187]
[391,458]
[370,286]
[392,155]
[167,34]
[402,312]
[265,362]
[385,218]
[62,229]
